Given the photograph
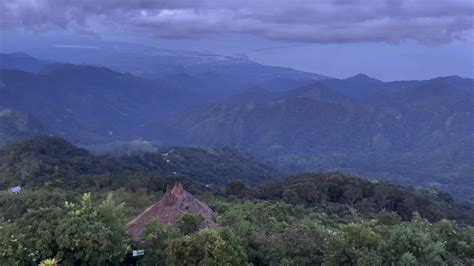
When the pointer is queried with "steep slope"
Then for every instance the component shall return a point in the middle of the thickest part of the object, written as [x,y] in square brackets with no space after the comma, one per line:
[87,103]
[420,136]
[15,125]
[91,104]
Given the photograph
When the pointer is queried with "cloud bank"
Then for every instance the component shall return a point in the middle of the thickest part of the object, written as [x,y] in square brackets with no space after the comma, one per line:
[318,21]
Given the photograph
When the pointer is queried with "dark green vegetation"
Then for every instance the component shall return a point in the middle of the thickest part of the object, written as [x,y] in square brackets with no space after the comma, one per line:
[261,227]
[54,161]
[306,219]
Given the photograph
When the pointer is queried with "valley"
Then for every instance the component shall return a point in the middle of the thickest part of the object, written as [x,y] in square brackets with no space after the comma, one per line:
[289,166]
[396,131]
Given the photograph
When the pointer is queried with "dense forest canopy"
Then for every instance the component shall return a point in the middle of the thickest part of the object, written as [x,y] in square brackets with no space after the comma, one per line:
[41,160]
[305,219]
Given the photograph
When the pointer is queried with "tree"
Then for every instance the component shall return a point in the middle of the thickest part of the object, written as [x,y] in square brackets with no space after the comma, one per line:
[207,247]
[189,223]
[157,238]
[355,244]
[92,235]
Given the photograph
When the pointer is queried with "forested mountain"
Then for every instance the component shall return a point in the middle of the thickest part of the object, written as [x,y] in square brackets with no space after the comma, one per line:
[88,103]
[388,130]
[310,219]
[15,125]
[236,133]
[22,61]
[40,160]
[362,86]
[399,135]
[358,86]
[94,104]
[366,197]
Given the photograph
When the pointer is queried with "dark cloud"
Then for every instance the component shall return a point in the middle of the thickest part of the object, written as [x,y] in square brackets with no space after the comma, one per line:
[321,21]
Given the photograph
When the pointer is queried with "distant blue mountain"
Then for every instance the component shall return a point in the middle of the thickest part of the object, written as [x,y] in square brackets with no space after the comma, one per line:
[22,61]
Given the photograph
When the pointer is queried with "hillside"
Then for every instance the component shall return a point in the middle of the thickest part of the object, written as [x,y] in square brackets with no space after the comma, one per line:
[363,196]
[307,219]
[88,103]
[46,160]
[402,136]
[22,61]
[94,105]
[411,132]
[15,125]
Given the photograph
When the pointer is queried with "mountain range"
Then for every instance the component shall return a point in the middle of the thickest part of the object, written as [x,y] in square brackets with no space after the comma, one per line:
[418,135]
[412,132]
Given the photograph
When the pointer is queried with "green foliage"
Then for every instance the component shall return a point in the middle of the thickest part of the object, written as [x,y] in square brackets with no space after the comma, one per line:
[14,206]
[74,233]
[366,197]
[92,235]
[309,219]
[239,189]
[157,238]
[408,243]
[418,136]
[207,247]
[259,232]
[56,162]
[189,223]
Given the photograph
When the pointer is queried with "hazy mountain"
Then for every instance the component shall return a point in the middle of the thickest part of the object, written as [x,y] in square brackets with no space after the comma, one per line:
[315,91]
[21,61]
[285,84]
[216,75]
[15,125]
[90,103]
[362,86]
[358,86]
[93,104]
[466,84]
[399,135]
[396,130]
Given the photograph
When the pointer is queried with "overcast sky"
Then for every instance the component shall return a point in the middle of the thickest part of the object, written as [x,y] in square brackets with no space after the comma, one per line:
[396,39]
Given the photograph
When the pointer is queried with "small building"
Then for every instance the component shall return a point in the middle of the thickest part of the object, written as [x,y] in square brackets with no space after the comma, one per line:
[15,190]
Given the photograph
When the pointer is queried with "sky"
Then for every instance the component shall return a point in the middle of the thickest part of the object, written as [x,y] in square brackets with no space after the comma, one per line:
[385,39]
